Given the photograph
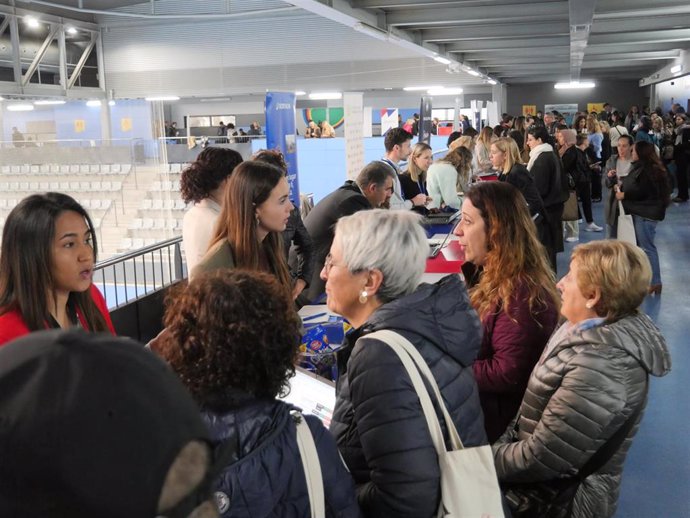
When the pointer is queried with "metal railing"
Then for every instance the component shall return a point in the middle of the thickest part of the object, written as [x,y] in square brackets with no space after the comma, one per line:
[131,276]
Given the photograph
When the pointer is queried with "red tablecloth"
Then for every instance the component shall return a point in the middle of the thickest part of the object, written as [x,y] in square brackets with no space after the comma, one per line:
[448,261]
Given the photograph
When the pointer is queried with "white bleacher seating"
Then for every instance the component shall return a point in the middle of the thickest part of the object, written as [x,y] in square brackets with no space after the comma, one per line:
[64,186]
[147,223]
[175,168]
[44,169]
[172,224]
[117,186]
[105,204]
[33,186]
[65,169]
[105,168]
[157,204]
[115,168]
[54,186]
[94,168]
[106,186]
[74,168]
[136,224]
[159,223]
[180,205]
[84,169]
[126,243]
[74,186]
[14,186]
[146,204]
[25,169]
[15,169]
[137,242]
[84,186]
[34,169]
[4,186]
[96,204]
[125,168]
[96,186]
[3,203]
[23,186]
[5,169]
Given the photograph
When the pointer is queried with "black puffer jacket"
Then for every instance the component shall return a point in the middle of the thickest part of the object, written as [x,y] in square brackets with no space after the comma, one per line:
[645,196]
[378,421]
[581,392]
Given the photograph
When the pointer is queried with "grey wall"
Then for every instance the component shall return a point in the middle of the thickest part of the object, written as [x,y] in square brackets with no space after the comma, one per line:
[621,94]
[675,91]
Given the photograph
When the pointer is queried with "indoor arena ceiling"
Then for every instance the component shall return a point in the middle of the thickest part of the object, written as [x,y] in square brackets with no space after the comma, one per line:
[512,41]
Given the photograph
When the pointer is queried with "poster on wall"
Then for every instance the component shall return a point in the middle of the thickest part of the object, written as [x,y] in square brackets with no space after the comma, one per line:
[567,110]
[79,125]
[529,109]
[280,134]
[595,107]
[389,119]
[126,124]
[353,102]
[367,121]
[425,122]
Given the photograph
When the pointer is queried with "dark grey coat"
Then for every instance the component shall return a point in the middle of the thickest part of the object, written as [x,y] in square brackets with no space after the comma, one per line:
[578,395]
[378,420]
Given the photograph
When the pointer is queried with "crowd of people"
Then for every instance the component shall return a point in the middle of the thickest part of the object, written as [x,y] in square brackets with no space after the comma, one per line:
[553,375]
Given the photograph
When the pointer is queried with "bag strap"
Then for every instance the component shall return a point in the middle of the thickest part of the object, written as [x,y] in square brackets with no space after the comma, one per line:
[414,363]
[610,447]
[312,466]
[621,210]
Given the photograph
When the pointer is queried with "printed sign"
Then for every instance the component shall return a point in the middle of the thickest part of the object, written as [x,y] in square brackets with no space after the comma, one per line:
[280,134]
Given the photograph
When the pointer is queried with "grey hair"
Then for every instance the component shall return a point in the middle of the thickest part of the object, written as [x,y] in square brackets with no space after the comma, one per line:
[393,242]
[374,172]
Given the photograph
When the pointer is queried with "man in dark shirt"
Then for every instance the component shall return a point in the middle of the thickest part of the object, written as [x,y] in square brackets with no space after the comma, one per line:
[372,189]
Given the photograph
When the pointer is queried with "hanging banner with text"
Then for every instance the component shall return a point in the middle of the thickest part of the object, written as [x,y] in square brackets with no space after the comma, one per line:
[280,134]
[425,122]
[353,102]
[389,119]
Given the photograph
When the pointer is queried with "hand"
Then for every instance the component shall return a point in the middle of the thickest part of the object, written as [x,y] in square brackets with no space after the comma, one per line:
[419,200]
[611,173]
[298,288]
[428,200]
[620,195]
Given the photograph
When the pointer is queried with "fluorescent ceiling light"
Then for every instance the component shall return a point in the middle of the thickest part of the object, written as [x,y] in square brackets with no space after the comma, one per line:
[162,98]
[444,91]
[374,32]
[322,96]
[71,30]
[20,107]
[111,103]
[48,102]
[31,22]
[93,103]
[473,73]
[420,88]
[300,92]
[442,60]
[492,82]
[572,85]
[676,69]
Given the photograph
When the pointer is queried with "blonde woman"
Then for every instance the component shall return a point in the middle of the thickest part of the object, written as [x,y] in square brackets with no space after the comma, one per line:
[482,162]
[413,181]
[327,131]
[448,177]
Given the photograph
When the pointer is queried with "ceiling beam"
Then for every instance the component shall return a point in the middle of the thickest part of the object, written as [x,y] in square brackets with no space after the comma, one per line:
[396,4]
[621,49]
[581,15]
[647,23]
[475,32]
[627,8]
[490,14]
[672,35]
[520,53]
[509,44]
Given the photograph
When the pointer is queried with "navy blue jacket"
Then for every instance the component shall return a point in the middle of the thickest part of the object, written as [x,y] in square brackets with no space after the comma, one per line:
[267,478]
[378,420]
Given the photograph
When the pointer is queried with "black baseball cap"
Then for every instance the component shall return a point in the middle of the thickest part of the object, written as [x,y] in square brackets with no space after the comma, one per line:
[89,426]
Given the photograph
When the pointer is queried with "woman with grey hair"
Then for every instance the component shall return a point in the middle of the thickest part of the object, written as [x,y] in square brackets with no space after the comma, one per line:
[373,275]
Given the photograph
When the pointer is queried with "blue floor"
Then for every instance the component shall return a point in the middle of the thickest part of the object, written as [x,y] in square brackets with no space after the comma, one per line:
[656,478]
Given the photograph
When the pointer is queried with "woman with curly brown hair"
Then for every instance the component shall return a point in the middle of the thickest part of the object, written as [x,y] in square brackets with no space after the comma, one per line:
[248,234]
[235,365]
[202,183]
[512,288]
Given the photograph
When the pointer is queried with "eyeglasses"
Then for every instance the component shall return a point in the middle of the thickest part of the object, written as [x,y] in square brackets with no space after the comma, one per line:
[328,264]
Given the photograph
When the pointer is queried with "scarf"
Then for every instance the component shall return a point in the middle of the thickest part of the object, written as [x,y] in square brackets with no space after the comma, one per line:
[534,154]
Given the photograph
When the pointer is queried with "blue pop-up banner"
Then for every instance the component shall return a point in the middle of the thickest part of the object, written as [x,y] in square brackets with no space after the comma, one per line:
[280,134]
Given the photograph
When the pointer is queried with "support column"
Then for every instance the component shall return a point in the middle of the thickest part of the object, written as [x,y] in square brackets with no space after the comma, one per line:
[106,131]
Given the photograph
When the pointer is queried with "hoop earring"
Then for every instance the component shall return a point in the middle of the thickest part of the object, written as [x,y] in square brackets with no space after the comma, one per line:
[363,297]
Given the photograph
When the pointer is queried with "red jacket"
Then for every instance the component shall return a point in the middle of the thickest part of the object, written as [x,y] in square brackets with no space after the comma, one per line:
[12,323]
[509,352]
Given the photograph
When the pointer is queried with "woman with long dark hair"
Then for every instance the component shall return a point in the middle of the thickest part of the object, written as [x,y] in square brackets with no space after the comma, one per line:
[646,192]
[46,268]
[202,183]
[255,212]
[513,290]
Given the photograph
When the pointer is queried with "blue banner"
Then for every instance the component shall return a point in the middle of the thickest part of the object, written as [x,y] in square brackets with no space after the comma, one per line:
[280,134]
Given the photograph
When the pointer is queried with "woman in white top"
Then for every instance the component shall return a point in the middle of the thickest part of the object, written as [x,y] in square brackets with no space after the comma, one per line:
[617,168]
[202,183]
[448,177]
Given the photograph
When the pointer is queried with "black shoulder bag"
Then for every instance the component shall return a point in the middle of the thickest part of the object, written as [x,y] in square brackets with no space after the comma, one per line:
[554,498]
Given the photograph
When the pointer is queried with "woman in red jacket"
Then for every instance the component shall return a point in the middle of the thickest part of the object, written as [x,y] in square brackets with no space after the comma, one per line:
[46,265]
[512,287]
